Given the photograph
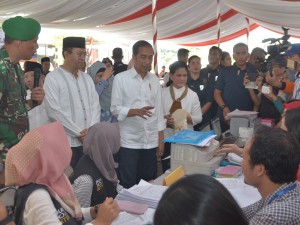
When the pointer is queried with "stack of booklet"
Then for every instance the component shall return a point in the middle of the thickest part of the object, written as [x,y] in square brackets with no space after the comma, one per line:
[144,193]
[191,137]
[228,171]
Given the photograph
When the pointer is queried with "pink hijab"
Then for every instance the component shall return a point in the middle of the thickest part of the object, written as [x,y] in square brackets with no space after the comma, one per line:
[102,141]
[41,157]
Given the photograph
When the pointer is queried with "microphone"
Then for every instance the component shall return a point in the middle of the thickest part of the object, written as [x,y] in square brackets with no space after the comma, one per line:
[36,82]
[37,75]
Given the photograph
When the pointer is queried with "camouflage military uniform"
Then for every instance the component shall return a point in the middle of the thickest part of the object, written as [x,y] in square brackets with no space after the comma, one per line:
[13,114]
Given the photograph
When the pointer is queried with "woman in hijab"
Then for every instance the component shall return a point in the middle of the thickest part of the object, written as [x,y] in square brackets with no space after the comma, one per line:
[45,196]
[179,99]
[95,178]
[103,78]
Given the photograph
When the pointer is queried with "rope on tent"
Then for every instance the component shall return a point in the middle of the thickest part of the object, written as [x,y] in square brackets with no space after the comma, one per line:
[219,22]
[248,29]
[154,31]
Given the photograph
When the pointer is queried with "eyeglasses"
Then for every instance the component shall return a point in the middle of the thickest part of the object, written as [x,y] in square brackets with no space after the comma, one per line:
[80,54]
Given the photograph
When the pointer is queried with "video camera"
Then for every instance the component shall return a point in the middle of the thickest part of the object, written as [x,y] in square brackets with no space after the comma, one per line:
[277,46]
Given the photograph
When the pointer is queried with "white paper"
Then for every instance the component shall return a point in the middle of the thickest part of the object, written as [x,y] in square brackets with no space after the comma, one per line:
[125,218]
[234,158]
[239,113]
[144,192]
[244,194]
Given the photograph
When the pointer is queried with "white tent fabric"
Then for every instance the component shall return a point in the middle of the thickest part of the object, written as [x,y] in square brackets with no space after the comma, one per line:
[191,22]
[285,13]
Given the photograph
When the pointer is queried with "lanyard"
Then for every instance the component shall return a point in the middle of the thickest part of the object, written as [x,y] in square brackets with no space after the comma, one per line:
[282,192]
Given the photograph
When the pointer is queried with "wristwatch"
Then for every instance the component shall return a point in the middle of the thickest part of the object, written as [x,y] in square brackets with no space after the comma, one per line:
[223,106]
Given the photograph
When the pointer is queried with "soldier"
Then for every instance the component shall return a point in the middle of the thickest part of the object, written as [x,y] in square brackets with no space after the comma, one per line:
[21,35]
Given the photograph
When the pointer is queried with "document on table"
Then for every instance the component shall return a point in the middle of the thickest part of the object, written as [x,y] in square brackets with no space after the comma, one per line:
[244,194]
[144,193]
[245,114]
[125,218]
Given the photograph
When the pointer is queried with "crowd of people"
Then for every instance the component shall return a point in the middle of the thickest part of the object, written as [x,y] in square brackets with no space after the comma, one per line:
[108,125]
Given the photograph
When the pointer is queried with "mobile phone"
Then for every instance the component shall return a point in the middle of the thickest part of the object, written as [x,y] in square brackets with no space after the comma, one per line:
[252,76]
[252,80]
[265,89]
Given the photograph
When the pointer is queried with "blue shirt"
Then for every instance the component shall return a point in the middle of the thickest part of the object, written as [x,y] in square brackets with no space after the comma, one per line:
[234,93]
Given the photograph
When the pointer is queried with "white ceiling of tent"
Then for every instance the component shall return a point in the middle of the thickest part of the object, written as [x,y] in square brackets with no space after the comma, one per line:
[181,21]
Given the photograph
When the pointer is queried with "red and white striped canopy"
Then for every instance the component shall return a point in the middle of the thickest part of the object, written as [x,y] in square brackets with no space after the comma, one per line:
[187,22]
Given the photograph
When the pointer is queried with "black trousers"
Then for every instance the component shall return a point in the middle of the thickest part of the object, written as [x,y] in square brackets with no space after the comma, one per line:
[166,164]
[77,153]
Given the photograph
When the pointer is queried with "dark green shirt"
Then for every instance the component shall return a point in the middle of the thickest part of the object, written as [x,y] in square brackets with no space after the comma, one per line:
[13,114]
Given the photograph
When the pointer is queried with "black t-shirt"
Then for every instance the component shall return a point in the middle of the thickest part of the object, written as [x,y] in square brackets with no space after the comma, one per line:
[267,108]
[231,84]
[119,67]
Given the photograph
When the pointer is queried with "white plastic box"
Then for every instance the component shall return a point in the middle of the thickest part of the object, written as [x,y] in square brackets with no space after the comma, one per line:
[195,159]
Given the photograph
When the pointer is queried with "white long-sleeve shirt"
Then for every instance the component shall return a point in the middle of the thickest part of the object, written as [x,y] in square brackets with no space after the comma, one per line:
[39,210]
[190,103]
[72,101]
[130,91]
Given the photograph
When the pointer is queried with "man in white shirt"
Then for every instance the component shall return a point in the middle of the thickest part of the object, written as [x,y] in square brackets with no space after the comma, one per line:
[136,102]
[71,97]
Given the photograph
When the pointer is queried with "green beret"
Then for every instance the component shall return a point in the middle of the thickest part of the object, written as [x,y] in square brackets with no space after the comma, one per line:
[20,28]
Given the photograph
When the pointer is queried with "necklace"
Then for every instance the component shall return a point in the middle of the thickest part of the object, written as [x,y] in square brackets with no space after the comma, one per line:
[176,102]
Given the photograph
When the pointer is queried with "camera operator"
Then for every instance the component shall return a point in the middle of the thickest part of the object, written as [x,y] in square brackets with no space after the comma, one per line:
[293,54]
[257,55]
[272,96]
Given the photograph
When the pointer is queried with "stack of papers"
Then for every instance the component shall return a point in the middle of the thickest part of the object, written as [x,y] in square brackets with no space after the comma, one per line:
[144,193]
[244,114]
[229,171]
[191,137]
[235,159]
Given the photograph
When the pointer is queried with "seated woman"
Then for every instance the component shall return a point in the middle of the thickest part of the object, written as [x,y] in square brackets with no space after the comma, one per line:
[103,78]
[198,200]
[179,96]
[45,196]
[94,178]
